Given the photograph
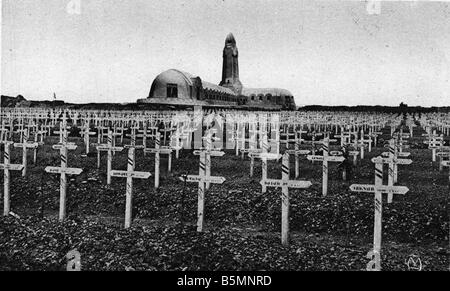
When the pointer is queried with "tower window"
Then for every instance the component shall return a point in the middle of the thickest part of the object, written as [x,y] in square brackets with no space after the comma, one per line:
[172,90]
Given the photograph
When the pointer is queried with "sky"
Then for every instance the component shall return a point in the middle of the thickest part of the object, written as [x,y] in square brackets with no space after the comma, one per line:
[324,52]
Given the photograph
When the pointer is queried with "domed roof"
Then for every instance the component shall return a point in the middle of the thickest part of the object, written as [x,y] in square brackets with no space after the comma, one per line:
[182,79]
[230,39]
[174,76]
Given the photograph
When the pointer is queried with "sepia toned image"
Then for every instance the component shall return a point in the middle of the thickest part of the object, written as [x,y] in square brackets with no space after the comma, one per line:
[225,135]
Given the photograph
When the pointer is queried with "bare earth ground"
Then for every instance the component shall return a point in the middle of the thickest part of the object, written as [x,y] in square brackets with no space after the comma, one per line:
[242,225]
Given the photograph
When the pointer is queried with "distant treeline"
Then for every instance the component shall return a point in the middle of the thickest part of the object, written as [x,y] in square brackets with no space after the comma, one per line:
[20,101]
[378,108]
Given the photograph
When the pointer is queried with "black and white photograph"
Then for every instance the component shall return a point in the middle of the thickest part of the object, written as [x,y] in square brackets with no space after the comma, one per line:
[210,136]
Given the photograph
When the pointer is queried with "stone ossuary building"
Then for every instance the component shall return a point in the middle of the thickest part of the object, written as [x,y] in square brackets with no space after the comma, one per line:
[174,87]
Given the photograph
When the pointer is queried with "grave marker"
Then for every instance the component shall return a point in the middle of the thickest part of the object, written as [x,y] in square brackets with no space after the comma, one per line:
[110,149]
[285,184]
[130,174]
[325,159]
[377,189]
[25,146]
[63,171]
[6,167]
[202,179]
[157,151]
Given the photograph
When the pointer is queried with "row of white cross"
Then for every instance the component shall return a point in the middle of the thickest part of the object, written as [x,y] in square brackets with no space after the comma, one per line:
[204,179]
[64,146]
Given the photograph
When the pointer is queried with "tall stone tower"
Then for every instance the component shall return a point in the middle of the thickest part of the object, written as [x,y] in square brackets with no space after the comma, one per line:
[230,69]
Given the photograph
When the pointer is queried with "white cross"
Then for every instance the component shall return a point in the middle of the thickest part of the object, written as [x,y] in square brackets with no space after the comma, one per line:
[202,179]
[110,149]
[130,174]
[325,158]
[25,146]
[157,151]
[377,189]
[63,171]
[285,183]
[6,167]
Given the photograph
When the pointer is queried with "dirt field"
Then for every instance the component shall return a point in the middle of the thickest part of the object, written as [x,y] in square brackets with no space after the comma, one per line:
[242,225]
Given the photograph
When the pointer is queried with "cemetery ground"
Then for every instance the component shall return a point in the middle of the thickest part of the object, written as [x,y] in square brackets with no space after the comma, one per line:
[242,225]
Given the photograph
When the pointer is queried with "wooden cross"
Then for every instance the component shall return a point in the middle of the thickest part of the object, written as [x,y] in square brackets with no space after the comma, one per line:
[298,137]
[377,189]
[25,146]
[166,130]
[115,135]
[275,137]
[63,134]
[343,153]
[143,134]
[202,179]
[86,133]
[313,141]
[119,132]
[133,141]
[392,129]
[399,142]
[100,129]
[37,141]
[251,149]
[250,140]
[130,174]
[47,129]
[153,131]
[344,137]
[175,139]
[20,130]
[434,142]
[325,158]
[157,151]
[361,146]
[375,135]
[393,161]
[288,138]
[63,171]
[264,155]
[367,141]
[10,129]
[297,152]
[232,133]
[394,153]
[285,183]
[132,136]
[208,139]
[6,167]
[110,149]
